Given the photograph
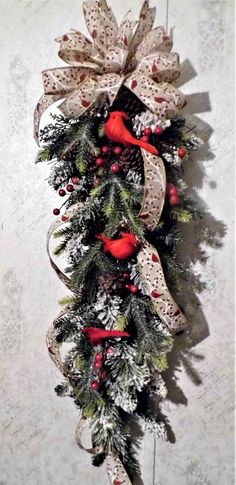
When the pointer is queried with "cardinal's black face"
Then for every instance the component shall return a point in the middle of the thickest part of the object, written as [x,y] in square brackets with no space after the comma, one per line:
[118,114]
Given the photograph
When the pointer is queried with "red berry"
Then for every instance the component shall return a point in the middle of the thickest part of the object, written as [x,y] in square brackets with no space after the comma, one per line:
[115,168]
[65,38]
[75,180]
[127,287]
[69,188]
[103,375]
[182,152]
[98,365]
[173,190]
[110,351]
[147,131]
[126,276]
[98,357]
[97,182]
[133,289]
[174,200]
[159,130]
[105,150]
[94,385]
[118,150]
[62,192]
[99,162]
[145,138]
[65,218]
[56,212]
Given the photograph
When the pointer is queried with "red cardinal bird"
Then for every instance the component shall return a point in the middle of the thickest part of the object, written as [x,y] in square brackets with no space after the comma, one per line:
[117,132]
[122,248]
[97,335]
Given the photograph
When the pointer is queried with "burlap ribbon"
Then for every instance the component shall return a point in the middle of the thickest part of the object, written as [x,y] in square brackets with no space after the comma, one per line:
[133,55]
[148,257]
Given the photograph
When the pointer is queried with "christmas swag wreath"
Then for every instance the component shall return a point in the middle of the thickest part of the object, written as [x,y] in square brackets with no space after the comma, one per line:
[116,156]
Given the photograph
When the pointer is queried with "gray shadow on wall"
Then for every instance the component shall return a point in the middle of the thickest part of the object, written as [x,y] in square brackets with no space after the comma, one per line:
[199,234]
[206,232]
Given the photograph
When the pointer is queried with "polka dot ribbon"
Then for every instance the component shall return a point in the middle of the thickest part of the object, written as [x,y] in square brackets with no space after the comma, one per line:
[132,54]
[148,258]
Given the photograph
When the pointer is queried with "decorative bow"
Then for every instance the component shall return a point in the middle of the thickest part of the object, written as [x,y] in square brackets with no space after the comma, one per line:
[133,55]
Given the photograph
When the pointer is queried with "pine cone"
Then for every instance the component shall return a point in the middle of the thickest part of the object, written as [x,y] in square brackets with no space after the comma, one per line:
[132,104]
[111,283]
[131,159]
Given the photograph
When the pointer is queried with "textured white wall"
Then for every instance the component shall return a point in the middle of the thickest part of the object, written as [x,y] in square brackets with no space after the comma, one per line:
[37,428]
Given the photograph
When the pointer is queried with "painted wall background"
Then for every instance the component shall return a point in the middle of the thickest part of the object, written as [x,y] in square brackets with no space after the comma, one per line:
[37,428]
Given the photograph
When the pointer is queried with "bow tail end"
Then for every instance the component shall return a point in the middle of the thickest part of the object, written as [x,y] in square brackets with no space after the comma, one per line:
[45,101]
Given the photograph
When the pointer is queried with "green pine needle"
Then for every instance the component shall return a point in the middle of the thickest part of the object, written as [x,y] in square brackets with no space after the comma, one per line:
[182,215]
[121,322]
[67,300]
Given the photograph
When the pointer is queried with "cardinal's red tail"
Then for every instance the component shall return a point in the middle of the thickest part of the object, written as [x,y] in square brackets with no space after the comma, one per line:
[105,239]
[147,146]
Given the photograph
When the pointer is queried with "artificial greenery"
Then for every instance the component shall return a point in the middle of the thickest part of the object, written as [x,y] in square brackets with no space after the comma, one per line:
[107,203]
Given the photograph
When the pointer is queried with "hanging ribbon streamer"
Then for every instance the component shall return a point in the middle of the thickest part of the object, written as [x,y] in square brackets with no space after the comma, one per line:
[165,306]
[148,257]
[154,189]
[54,226]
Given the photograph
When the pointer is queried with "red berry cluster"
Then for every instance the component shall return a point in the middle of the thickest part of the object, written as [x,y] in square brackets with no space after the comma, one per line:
[174,198]
[98,365]
[62,192]
[100,161]
[148,131]
[132,288]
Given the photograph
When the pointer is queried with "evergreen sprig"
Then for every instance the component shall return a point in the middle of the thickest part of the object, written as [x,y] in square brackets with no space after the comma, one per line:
[103,300]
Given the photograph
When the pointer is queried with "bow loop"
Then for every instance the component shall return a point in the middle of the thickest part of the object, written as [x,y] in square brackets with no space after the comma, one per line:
[162,99]
[110,84]
[133,55]
[63,80]
[115,60]
[94,21]
[146,21]
[160,66]
[76,48]
[126,32]
[81,99]
[155,40]
[110,24]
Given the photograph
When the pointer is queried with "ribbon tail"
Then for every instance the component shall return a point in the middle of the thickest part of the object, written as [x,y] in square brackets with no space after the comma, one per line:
[54,226]
[81,428]
[148,258]
[45,101]
[154,189]
[54,347]
[116,471]
[151,269]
